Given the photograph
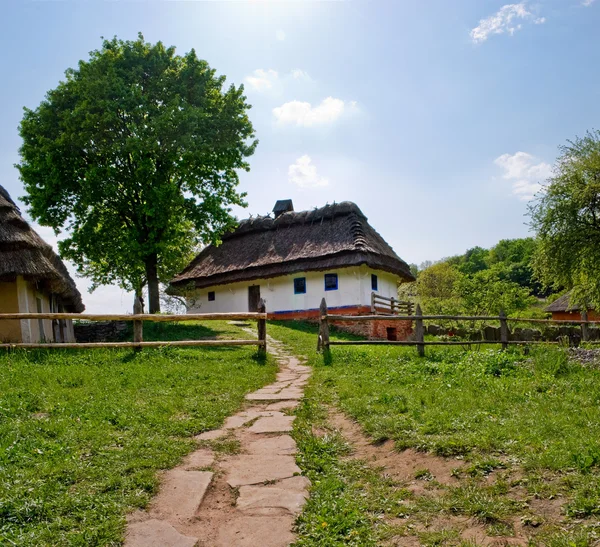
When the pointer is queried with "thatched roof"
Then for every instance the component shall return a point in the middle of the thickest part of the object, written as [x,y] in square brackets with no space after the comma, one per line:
[563,304]
[24,252]
[331,237]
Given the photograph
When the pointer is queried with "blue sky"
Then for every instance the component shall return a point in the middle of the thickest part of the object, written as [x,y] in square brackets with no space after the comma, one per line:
[437,118]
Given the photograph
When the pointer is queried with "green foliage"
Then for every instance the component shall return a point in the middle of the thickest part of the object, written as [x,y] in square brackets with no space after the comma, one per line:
[566,217]
[444,288]
[481,281]
[136,155]
[486,293]
[84,432]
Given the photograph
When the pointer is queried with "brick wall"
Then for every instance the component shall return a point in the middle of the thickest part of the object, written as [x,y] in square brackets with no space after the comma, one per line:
[373,330]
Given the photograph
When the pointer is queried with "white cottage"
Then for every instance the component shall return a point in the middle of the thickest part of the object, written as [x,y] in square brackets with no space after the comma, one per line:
[292,261]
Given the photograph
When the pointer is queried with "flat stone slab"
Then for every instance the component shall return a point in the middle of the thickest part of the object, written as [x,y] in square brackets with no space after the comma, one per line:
[199,459]
[283,405]
[246,531]
[273,424]
[182,492]
[211,435]
[255,469]
[270,500]
[236,421]
[282,445]
[156,533]
[258,396]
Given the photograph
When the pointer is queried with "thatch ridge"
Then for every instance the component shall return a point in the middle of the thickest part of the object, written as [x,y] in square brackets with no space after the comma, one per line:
[332,236]
[23,252]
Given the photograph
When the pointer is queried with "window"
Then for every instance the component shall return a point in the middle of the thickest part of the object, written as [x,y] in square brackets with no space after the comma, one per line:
[331,282]
[300,285]
[211,296]
[373,282]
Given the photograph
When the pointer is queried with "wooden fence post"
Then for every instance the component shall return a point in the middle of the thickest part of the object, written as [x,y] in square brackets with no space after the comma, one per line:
[393,305]
[373,310]
[419,332]
[323,342]
[262,329]
[585,333]
[503,330]
[138,326]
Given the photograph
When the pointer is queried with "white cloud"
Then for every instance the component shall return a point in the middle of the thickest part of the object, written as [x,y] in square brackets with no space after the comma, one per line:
[262,80]
[304,114]
[526,173]
[303,174]
[587,3]
[298,74]
[280,35]
[508,19]
[269,80]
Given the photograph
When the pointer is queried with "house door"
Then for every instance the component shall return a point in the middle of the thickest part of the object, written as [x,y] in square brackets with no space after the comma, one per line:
[253,298]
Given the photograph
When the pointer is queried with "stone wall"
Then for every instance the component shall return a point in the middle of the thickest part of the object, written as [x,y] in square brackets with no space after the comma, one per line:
[101,331]
[488,332]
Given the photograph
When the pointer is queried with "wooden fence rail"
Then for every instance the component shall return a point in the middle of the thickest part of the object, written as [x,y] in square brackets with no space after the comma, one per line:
[138,321]
[419,341]
[390,305]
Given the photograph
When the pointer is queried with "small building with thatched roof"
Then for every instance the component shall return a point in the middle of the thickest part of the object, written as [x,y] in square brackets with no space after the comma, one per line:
[33,279]
[292,261]
[562,309]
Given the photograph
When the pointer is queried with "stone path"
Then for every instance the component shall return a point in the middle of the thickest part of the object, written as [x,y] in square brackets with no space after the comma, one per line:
[245,499]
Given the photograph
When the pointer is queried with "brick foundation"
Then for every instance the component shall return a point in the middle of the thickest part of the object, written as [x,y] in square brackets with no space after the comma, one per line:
[371,329]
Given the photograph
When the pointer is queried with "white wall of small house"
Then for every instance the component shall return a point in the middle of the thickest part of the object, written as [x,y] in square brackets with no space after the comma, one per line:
[354,289]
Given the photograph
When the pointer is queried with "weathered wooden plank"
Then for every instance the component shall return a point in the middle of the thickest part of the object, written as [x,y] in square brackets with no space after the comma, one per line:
[262,329]
[323,341]
[420,331]
[92,345]
[434,342]
[138,317]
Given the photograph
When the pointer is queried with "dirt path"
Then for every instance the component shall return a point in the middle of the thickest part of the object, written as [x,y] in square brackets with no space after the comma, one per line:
[241,487]
[428,476]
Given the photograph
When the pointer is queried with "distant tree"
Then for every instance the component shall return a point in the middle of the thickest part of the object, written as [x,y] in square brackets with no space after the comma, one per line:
[566,218]
[512,260]
[486,293]
[136,155]
[438,281]
[473,261]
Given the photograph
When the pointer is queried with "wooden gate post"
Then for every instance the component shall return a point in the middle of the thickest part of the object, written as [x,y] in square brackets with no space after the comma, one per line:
[503,330]
[419,331]
[323,342]
[138,326]
[262,329]
[585,333]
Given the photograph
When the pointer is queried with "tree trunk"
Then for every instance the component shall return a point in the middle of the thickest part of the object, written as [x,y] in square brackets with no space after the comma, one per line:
[152,279]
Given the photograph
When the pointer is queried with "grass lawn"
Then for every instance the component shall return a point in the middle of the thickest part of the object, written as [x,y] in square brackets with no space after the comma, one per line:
[525,428]
[83,432]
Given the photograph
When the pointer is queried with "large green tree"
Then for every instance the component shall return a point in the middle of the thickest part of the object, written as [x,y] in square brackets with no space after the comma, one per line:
[566,218]
[136,156]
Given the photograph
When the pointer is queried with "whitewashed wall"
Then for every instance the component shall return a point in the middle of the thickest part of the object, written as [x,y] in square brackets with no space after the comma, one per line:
[354,289]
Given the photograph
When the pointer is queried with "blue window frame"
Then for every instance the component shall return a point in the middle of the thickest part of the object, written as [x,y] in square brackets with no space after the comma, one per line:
[211,296]
[300,285]
[374,282]
[331,282]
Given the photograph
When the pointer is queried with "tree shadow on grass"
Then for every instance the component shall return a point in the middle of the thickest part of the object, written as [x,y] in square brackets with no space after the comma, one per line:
[176,331]
[307,327]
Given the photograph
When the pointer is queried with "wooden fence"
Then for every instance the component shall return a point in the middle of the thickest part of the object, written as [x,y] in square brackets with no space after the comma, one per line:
[390,306]
[324,342]
[138,337]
